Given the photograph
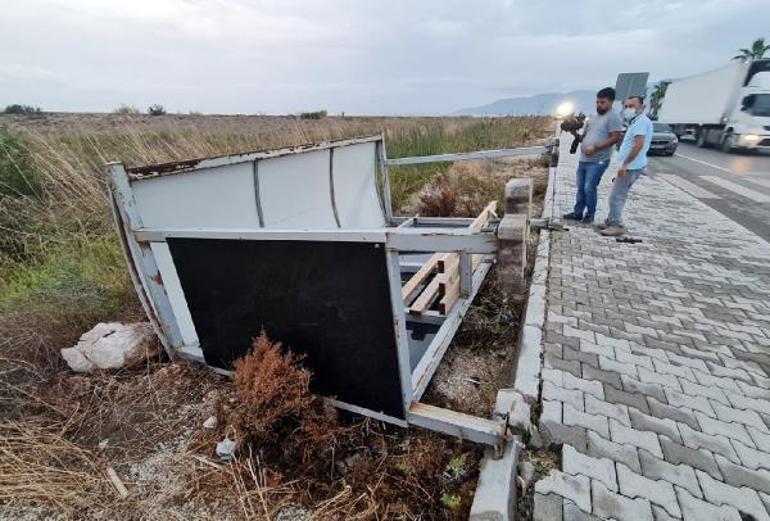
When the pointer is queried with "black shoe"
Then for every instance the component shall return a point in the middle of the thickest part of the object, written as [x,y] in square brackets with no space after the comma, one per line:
[572,217]
[587,220]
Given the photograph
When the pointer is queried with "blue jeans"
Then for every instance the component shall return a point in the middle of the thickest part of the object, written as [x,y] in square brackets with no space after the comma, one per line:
[619,194]
[589,174]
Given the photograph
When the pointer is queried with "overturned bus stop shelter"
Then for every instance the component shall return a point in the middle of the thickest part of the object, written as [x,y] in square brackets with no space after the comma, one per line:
[302,242]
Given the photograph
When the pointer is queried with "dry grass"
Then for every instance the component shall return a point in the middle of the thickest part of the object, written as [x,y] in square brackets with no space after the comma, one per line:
[39,465]
[61,271]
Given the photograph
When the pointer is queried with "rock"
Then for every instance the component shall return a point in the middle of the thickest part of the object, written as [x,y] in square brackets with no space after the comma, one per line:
[526,472]
[112,345]
[292,513]
[210,423]
[226,449]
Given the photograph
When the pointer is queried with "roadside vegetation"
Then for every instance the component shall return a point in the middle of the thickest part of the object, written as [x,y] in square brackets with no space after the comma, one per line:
[61,271]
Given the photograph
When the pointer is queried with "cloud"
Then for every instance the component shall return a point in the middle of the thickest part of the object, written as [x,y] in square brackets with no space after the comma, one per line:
[356,56]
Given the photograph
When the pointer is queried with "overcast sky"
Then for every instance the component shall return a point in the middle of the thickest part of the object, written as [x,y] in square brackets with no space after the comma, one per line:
[357,56]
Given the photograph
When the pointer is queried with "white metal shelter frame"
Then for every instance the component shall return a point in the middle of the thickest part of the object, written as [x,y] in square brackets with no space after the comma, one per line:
[267,196]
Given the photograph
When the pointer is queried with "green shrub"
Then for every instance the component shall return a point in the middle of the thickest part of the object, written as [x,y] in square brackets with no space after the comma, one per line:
[88,279]
[22,109]
[156,110]
[318,114]
[17,177]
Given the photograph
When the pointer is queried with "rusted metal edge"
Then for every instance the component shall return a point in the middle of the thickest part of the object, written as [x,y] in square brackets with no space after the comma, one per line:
[138,173]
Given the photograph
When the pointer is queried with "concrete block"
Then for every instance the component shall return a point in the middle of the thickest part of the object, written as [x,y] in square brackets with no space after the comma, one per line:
[512,235]
[495,497]
[518,196]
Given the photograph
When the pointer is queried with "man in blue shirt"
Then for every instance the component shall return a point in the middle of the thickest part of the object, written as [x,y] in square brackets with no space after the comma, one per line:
[633,161]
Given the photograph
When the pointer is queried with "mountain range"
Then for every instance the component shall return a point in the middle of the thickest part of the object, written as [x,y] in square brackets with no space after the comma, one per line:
[539,104]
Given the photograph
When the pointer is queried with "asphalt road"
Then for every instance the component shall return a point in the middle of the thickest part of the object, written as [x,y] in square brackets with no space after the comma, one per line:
[737,185]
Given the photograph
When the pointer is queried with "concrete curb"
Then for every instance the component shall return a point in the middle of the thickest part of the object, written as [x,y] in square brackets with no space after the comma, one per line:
[495,496]
[526,380]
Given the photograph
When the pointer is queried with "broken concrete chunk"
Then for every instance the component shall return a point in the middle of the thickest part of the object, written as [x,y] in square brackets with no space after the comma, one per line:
[112,345]
[210,423]
[226,449]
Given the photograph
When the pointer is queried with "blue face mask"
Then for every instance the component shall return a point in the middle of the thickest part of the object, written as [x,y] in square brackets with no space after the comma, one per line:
[629,114]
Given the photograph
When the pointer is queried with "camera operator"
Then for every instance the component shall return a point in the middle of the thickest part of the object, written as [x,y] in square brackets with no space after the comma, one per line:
[600,134]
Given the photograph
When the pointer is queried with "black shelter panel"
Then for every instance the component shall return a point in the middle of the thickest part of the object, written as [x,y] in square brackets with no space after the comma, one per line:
[327,300]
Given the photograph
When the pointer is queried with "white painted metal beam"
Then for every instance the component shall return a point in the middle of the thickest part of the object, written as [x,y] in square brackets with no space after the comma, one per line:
[482,154]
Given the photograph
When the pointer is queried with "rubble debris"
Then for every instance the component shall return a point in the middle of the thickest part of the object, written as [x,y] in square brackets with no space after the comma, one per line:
[210,423]
[226,449]
[117,482]
[112,345]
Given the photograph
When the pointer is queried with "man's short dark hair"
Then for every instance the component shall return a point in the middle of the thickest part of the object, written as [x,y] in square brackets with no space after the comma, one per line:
[640,98]
[606,93]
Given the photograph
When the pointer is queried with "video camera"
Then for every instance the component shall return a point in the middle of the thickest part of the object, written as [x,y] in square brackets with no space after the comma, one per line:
[572,123]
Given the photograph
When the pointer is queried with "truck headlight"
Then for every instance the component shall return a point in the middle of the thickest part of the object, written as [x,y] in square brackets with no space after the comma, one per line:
[751,138]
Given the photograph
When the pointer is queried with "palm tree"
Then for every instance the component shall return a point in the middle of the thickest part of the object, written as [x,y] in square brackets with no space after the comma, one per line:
[757,50]
[656,98]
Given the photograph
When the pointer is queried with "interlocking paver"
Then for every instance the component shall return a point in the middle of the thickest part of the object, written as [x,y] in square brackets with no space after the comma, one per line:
[573,417]
[636,400]
[751,458]
[715,443]
[739,476]
[632,385]
[680,414]
[599,447]
[713,393]
[665,380]
[658,492]
[697,403]
[602,469]
[619,433]
[694,509]
[743,499]
[680,475]
[733,431]
[610,505]
[575,488]
[644,422]
[744,402]
[610,410]
[657,363]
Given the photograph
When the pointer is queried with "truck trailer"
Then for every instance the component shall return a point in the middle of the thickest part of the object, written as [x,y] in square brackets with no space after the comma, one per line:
[728,107]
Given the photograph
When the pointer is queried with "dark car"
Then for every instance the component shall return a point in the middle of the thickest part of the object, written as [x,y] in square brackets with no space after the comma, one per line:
[664,140]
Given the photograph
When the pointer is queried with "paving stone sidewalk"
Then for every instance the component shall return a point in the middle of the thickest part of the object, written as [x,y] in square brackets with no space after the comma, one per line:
[656,367]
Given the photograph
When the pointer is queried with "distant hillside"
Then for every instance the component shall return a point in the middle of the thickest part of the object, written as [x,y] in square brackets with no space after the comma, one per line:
[543,104]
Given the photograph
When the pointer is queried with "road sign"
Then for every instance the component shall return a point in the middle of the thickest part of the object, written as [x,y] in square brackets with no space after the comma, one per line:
[631,84]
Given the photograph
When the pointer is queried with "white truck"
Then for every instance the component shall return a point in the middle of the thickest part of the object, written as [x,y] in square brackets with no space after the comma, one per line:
[728,107]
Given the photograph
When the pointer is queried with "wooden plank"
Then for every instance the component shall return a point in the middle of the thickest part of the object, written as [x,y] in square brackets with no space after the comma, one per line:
[414,282]
[450,295]
[426,298]
[445,263]
[461,425]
